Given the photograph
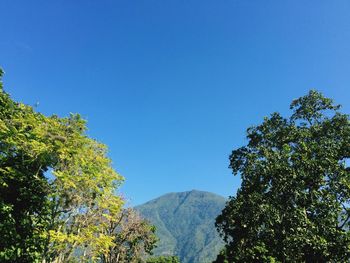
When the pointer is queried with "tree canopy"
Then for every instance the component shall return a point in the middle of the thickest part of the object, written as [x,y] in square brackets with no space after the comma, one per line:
[58,192]
[163,259]
[293,203]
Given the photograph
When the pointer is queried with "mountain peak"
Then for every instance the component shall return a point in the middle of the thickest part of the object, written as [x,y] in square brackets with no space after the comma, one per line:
[185,224]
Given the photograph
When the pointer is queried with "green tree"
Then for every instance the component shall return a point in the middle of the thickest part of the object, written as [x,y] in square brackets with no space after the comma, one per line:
[293,203]
[61,218]
[23,186]
[222,257]
[163,259]
[134,238]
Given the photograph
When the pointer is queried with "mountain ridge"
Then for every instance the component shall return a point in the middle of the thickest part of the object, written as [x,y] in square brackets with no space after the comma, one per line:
[185,224]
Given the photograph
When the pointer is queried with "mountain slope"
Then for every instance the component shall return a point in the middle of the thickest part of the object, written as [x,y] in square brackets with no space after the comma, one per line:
[185,224]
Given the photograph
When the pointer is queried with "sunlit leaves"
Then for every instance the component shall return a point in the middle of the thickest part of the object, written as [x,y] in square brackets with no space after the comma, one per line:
[293,202]
[63,217]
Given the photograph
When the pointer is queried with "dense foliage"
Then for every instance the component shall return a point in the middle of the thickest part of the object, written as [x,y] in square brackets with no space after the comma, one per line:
[186,224]
[23,188]
[163,259]
[57,193]
[134,238]
[293,204]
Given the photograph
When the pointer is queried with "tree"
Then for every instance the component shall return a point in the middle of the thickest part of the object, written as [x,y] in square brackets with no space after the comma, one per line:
[222,257]
[293,203]
[163,259]
[23,187]
[57,187]
[83,196]
[57,193]
[134,238]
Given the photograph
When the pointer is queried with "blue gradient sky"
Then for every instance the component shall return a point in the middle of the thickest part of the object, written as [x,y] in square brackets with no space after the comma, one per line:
[171,85]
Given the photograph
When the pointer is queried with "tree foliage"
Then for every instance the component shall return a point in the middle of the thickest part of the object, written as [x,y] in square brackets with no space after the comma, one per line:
[163,259]
[133,238]
[293,203]
[57,190]
[24,159]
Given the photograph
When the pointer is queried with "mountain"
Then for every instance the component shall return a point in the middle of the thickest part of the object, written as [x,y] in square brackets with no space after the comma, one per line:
[185,224]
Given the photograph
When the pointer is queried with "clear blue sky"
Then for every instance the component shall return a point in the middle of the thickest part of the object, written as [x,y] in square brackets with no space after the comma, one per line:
[171,85]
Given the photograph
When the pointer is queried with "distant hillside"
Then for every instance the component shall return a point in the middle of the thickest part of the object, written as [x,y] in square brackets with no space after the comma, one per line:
[185,224]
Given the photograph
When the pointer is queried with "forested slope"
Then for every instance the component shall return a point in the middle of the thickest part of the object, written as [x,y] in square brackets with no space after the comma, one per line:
[185,224]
